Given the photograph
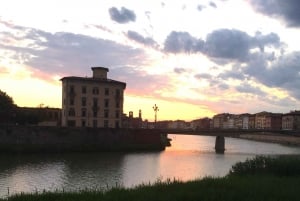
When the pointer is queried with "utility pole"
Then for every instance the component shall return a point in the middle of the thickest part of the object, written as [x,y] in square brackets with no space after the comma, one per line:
[155,108]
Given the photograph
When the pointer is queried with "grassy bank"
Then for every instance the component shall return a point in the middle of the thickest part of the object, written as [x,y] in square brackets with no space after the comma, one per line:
[262,178]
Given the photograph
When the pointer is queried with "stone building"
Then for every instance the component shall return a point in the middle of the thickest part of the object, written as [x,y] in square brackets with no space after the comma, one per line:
[291,120]
[260,120]
[274,121]
[92,101]
[223,121]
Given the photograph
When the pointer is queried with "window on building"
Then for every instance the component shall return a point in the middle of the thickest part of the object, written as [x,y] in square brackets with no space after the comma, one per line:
[106,103]
[95,113]
[118,93]
[95,102]
[72,89]
[117,113]
[106,113]
[71,123]
[106,91]
[105,123]
[83,101]
[95,123]
[83,89]
[117,104]
[71,112]
[117,125]
[83,112]
[95,90]
[72,101]
[83,123]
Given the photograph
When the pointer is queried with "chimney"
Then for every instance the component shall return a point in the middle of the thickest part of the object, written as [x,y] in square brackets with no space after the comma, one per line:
[100,72]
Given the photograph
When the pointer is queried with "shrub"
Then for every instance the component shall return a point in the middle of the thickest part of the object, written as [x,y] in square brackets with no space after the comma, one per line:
[284,165]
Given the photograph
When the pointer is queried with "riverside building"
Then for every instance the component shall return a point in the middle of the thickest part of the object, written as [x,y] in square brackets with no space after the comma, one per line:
[92,101]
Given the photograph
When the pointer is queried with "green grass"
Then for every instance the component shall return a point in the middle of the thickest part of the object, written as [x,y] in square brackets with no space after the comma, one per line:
[261,178]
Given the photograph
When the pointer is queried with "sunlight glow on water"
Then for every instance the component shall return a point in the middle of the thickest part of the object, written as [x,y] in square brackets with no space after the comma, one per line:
[189,157]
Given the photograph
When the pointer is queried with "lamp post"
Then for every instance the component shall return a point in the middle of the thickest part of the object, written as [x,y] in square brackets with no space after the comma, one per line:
[155,108]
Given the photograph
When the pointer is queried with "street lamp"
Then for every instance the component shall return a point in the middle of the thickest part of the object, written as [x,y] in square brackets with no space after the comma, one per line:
[155,108]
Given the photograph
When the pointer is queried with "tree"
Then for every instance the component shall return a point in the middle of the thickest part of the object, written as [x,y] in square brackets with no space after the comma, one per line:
[7,108]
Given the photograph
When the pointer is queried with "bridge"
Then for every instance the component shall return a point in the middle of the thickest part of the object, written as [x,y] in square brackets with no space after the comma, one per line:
[220,134]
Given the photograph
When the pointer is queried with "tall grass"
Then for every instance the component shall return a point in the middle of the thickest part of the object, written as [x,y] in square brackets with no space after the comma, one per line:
[285,165]
[261,178]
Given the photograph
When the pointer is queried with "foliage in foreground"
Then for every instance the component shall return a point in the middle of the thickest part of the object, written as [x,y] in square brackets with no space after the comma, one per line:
[285,165]
[254,179]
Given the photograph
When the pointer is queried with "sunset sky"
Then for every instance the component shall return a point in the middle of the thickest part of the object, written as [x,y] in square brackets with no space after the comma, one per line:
[191,58]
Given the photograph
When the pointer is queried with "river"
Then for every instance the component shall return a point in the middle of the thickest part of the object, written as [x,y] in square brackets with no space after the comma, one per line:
[189,157]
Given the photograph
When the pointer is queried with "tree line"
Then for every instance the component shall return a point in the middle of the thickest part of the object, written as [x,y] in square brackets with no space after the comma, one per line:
[10,113]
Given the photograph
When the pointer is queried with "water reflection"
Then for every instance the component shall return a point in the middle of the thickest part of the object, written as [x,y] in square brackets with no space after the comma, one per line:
[94,170]
[190,157]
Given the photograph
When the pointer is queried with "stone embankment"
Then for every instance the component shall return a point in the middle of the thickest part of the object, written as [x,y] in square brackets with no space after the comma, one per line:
[285,139]
[63,139]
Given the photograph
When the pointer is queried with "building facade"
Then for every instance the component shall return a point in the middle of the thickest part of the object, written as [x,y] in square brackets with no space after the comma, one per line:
[291,120]
[204,123]
[273,121]
[223,121]
[92,101]
[260,120]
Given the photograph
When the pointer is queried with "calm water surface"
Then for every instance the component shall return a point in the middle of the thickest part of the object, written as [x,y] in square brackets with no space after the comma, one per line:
[188,158]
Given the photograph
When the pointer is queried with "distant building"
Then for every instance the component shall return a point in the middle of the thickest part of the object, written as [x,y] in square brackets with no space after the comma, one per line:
[203,123]
[162,124]
[268,120]
[260,120]
[223,121]
[177,124]
[291,120]
[242,121]
[92,101]
[273,121]
[251,123]
[133,122]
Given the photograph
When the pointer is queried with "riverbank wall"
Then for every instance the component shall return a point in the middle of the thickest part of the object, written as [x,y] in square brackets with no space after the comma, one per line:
[22,139]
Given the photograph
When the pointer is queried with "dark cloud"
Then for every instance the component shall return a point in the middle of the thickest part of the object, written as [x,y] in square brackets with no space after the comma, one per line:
[212,4]
[122,16]
[63,53]
[177,42]
[261,40]
[234,74]
[247,88]
[179,70]
[203,76]
[200,7]
[283,73]
[215,82]
[223,86]
[226,43]
[141,39]
[222,45]
[287,10]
